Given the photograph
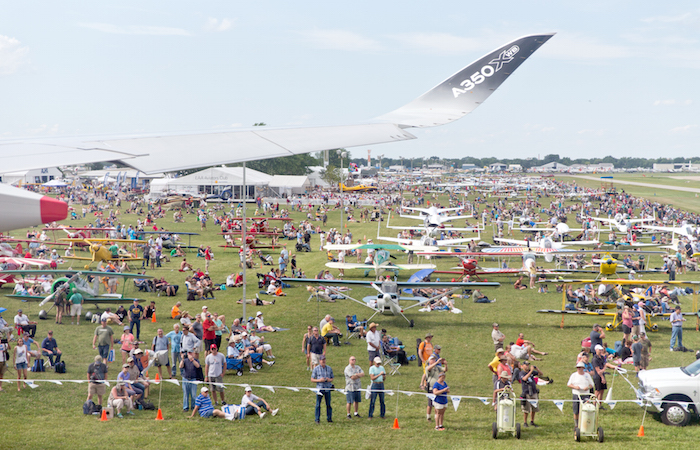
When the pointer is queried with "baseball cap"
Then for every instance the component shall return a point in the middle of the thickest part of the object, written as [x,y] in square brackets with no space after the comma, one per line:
[437,347]
[204,389]
[494,325]
[130,359]
[427,335]
[598,347]
[138,351]
[126,327]
[248,388]
[104,319]
[580,364]
[322,357]
[125,366]
[213,346]
[377,359]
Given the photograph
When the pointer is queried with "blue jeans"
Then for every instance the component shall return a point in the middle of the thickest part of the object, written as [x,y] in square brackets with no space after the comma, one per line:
[373,397]
[676,336]
[176,362]
[52,356]
[189,392]
[136,324]
[326,393]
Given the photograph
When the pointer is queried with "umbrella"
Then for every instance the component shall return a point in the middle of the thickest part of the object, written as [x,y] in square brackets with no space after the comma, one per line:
[22,261]
[2,310]
[418,277]
[55,183]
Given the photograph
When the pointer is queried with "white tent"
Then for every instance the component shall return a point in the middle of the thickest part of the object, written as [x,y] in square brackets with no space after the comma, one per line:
[224,181]
[55,183]
[290,184]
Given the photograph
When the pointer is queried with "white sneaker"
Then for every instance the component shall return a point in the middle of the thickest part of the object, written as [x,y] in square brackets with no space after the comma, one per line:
[253,371]
[262,415]
[275,411]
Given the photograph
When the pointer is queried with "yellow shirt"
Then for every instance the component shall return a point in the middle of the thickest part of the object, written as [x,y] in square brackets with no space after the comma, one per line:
[327,328]
[494,363]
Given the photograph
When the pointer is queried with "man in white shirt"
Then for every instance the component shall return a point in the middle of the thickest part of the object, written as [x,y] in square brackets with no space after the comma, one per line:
[214,366]
[253,403]
[23,321]
[353,384]
[580,383]
[374,342]
[498,337]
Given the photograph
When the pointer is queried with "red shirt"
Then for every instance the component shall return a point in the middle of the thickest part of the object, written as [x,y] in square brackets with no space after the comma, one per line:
[209,334]
[520,342]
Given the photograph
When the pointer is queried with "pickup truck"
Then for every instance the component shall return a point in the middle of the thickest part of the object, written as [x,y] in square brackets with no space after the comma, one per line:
[674,387]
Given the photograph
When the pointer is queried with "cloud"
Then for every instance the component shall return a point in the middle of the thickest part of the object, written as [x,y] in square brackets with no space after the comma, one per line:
[688,18]
[441,43]
[671,102]
[683,129]
[216,25]
[579,47]
[136,29]
[341,40]
[12,55]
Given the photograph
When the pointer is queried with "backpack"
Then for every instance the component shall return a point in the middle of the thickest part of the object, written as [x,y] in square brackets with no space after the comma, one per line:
[38,365]
[145,404]
[60,367]
[88,407]
[190,296]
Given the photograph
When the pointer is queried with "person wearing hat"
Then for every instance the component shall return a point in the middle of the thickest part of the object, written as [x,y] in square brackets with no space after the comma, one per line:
[138,381]
[493,365]
[254,404]
[497,337]
[440,391]
[526,377]
[214,368]
[203,404]
[502,383]
[95,373]
[21,320]
[434,367]
[425,349]
[600,363]
[49,348]
[377,375]
[118,398]
[127,342]
[102,340]
[374,342]
[330,331]
[580,383]
[260,323]
[322,375]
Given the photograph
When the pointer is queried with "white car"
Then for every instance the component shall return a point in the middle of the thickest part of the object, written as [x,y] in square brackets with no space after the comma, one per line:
[674,387]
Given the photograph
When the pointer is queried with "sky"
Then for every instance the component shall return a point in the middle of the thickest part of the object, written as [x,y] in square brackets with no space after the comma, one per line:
[619,78]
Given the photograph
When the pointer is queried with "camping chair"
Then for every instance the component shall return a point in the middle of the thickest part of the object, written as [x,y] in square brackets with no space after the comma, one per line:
[391,363]
[352,333]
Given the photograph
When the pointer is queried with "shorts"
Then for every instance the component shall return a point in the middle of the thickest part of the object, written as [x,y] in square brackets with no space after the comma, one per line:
[208,343]
[577,404]
[315,358]
[103,350]
[521,355]
[599,385]
[626,329]
[528,407]
[439,405]
[20,366]
[214,387]
[372,354]
[158,364]
[75,309]
[96,389]
[353,396]
[208,414]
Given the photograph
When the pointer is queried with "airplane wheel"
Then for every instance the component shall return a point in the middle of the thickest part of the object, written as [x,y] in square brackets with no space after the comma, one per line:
[43,315]
[577,434]
[410,324]
[600,434]
[258,366]
[609,326]
[494,430]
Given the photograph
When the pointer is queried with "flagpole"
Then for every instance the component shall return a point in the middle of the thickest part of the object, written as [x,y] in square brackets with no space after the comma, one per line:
[243,246]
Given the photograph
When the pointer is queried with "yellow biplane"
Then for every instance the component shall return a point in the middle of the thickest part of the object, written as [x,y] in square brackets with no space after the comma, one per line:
[103,253]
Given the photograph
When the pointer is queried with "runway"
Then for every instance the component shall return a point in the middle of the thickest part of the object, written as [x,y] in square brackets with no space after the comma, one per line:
[647,185]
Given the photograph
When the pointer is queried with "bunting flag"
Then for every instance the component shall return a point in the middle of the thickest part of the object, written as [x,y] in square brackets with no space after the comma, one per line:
[431,397]
[639,402]
[316,391]
[559,404]
[484,400]
[455,401]
[534,402]
[293,389]
[612,405]
[342,391]
[173,381]
[269,388]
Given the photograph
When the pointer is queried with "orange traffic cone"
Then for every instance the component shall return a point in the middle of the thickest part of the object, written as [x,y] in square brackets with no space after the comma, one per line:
[396,424]
[153,318]
[159,416]
[157,378]
[641,431]
[104,415]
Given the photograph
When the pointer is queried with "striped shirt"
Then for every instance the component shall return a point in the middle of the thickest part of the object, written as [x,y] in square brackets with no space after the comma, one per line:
[205,406]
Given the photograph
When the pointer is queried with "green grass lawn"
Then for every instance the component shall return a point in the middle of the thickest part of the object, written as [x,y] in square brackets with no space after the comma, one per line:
[51,415]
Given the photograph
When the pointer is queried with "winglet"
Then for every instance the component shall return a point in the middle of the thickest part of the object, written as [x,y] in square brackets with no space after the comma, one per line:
[461,93]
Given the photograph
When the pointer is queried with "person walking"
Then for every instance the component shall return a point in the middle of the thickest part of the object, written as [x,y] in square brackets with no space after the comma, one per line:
[677,320]
[580,383]
[322,375]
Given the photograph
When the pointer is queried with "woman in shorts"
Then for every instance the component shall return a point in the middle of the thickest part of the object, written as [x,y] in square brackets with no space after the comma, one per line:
[20,359]
[440,390]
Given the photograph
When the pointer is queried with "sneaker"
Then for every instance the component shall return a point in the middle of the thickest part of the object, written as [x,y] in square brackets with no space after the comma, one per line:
[330,421]
[437,428]
[223,403]
[318,422]
[525,425]
[671,349]
[120,416]
[131,413]
[270,363]
[533,424]
[275,411]
[349,416]
[428,418]
[272,356]
[273,301]
[253,371]
[216,403]
[262,415]
[358,416]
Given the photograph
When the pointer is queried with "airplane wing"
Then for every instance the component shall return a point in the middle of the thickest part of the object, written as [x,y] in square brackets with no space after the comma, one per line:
[340,265]
[406,216]
[338,247]
[585,313]
[401,284]
[450,242]
[412,266]
[409,244]
[450,100]
[517,242]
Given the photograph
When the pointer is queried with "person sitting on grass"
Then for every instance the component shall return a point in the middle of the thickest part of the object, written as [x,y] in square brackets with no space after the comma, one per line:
[118,398]
[518,285]
[253,403]
[481,298]
[203,404]
[185,266]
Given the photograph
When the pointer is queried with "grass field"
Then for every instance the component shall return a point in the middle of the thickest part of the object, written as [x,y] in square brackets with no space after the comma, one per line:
[51,416]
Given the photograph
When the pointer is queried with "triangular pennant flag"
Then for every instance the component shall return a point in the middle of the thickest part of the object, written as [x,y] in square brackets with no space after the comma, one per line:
[55,382]
[75,381]
[559,404]
[484,400]
[389,392]
[657,404]
[611,405]
[32,385]
[293,389]
[221,385]
[431,397]
[455,401]
[534,402]
[173,381]
[408,393]
[639,402]
[269,388]
[342,391]
[316,391]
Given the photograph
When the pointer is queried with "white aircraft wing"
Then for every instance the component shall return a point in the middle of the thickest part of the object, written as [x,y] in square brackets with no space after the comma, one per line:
[450,100]
[338,247]
[410,244]
[346,265]
[517,242]
[411,266]
[446,242]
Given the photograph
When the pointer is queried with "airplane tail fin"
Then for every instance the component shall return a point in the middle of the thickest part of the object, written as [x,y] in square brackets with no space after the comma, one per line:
[461,93]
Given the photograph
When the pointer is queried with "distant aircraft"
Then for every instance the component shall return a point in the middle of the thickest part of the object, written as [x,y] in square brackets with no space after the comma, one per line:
[450,100]
[621,223]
